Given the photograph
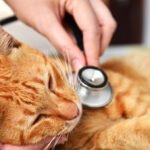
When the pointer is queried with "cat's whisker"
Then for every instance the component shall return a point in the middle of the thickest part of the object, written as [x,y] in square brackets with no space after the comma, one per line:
[53,139]
[60,63]
[68,68]
[73,75]
[57,140]
[59,135]
[66,64]
[53,53]
[49,144]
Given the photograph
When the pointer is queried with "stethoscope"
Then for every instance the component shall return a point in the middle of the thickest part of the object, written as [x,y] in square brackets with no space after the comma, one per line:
[94,89]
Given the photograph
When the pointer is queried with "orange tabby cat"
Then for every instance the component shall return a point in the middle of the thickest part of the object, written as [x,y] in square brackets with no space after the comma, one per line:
[125,123]
[36,100]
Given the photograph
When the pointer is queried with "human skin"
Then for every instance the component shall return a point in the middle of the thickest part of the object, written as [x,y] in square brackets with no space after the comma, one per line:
[46,16]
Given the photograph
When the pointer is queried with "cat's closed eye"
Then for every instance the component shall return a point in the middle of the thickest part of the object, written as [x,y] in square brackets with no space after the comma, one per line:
[39,118]
[50,83]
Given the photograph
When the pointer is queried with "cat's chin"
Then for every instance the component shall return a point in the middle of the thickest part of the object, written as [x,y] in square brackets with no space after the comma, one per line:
[50,141]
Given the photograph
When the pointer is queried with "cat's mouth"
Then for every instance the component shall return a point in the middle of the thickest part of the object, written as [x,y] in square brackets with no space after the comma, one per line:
[46,144]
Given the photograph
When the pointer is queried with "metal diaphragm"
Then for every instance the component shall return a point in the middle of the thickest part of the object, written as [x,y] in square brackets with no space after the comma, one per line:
[94,89]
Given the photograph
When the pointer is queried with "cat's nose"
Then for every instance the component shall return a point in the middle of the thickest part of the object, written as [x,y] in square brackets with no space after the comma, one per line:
[69,110]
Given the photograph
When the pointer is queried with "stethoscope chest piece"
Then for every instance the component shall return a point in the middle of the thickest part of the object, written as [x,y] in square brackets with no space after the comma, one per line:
[94,89]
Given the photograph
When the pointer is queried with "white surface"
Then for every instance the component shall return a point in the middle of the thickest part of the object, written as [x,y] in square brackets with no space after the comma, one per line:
[29,36]
[5,11]
[146,21]
[34,39]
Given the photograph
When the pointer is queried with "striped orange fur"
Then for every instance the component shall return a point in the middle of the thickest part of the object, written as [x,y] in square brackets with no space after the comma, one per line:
[36,99]
[125,123]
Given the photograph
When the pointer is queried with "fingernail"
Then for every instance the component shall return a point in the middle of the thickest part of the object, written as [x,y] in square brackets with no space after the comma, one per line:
[76,64]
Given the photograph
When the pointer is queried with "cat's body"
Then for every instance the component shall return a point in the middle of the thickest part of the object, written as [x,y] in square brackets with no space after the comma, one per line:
[26,92]
[125,123]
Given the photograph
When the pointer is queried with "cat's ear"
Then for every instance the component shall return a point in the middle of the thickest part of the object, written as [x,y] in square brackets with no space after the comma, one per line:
[7,42]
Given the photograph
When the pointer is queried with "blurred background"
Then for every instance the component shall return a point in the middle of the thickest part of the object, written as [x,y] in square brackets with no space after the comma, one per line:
[132,16]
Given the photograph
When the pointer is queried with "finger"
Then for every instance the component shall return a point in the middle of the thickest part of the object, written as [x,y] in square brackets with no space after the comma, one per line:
[106,21]
[57,35]
[88,23]
[107,34]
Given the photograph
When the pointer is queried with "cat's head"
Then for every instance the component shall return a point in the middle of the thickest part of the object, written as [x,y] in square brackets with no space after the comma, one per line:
[36,99]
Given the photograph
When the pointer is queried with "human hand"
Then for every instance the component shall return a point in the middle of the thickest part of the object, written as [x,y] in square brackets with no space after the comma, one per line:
[92,17]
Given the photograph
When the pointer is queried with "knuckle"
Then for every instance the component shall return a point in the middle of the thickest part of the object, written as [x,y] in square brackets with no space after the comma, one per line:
[68,47]
[70,5]
[112,24]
